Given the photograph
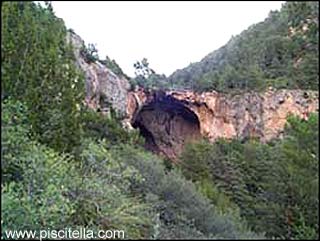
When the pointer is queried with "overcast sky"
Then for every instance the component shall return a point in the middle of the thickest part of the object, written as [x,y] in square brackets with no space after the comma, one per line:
[170,35]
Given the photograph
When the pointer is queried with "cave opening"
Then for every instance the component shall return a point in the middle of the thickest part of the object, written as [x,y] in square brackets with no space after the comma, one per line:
[167,124]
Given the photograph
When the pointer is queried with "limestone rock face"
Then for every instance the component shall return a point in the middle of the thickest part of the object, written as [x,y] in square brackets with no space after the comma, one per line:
[104,89]
[251,114]
[215,115]
[135,101]
[167,124]
[170,119]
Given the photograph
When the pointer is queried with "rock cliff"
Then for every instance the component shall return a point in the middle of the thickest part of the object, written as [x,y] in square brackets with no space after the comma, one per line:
[169,119]
[104,89]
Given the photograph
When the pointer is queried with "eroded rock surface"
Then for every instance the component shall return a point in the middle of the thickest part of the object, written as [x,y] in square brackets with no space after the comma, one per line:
[104,89]
[170,119]
[164,115]
[167,125]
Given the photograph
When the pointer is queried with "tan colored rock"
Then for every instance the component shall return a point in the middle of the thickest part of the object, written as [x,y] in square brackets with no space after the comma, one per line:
[260,115]
[169,119]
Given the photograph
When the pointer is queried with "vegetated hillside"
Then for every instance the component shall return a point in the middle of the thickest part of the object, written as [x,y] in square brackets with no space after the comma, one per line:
[281,51]
[64,165]
[275,186]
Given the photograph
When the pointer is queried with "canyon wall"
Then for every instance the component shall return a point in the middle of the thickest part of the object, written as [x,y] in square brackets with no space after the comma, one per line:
[166,116]
[169,119]
[104,89]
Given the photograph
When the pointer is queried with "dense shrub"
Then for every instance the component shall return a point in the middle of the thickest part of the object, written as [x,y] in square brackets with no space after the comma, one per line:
[44,189]
[89,53]
[178,202]
[66,166]
[35,178]
[281,51]
[14,131]
[37,67]
[113,66]
[102,197]
[98,126]
[275,185]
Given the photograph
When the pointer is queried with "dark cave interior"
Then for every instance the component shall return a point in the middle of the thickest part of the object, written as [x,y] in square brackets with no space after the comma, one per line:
[166,124]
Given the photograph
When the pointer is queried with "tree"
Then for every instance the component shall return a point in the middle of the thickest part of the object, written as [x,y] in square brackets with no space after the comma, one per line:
[90,53]
[142,68]
[284,49]
[38,69]
[113,66]
[275,184]
[146,77]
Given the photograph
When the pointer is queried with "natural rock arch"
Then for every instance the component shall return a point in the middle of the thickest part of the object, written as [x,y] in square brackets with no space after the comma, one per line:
[169,119]
[167,124]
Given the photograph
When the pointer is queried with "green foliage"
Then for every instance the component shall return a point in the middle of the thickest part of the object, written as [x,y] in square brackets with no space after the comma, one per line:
[147,78]
[108,185]
[142,68]
[282,51]
[301,153]
[275,185]
[38,69]
[42,188]
[21,211]
[221,201]
[195,160]
[102,196]
[303,231]
[113,66]
[116,187]
[177,201]
[35,178]
[14,131]
[303,20]
[67,166]
[90,53]
[98,126]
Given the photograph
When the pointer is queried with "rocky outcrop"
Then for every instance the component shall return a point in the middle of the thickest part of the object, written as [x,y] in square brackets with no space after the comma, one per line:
[170,119]
[166,123]
[250,114]
[104,89]
[135,101]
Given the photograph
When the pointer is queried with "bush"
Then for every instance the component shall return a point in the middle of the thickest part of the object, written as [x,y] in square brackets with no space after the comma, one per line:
[102,196]
[176,199]
[104,186]
[44,189]
[113,66]
[54,191]
[38,69]
[14,129]
[90,53]
[275,185]
[98,126]
[35,182]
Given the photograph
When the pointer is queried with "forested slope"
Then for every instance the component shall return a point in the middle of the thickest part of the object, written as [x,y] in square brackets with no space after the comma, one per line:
[64,165]
[282,51]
